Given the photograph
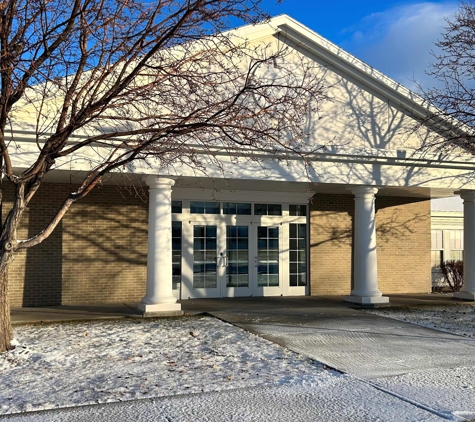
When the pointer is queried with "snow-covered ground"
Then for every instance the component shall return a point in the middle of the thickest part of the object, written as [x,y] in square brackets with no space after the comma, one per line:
[456,319]
[60,365]
[73,364]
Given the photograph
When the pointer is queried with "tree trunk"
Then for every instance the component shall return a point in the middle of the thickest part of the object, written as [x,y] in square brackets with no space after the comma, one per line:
[5,322]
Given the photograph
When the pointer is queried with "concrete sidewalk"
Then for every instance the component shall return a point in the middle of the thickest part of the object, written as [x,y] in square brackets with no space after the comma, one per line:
[197,306]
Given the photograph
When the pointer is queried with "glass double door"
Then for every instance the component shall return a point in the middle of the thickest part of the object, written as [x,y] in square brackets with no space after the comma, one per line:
[232,260]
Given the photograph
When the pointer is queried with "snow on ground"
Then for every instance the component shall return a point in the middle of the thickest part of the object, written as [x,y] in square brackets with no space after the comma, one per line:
[442,389]
[456,319]
[70,364]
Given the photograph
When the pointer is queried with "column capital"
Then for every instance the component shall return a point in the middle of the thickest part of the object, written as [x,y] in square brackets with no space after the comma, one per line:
[363,191]
[467,195]
[157,182]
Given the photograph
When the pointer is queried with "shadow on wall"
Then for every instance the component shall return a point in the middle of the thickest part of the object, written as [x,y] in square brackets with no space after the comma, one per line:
[43,264]
[97,254]
[402,236]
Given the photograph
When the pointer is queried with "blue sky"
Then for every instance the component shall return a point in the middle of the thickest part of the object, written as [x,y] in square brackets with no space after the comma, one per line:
[396,37]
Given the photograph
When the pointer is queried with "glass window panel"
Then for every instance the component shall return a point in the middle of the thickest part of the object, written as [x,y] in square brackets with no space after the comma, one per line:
[302,267]
[436,258]
[243,243]
[262,269]
[273,268]
[176,282]
[242,269]
[437,239]
[198,268]
[273,232]
[197,207]
[243,255]
[243,231]
[176,269]
[210,231]
[262,280]
[210,267]
[293,268]
[262,232]
[274,244]
[302,231]
[273,280]
[243,281]
[293,244]
[176,243]
[198,255]
[293,280]
[211,255]
[212,207]
[262,255]
[302,279]
[176,228]
[198,282]
[231,244]
[273,256]
[229,208]
[198,244]
[211,243]
[232,255]
[293,230]
[231,231]
[176,207]
[293,256]
[302,256]
[274,209]
[302,244]
[232,281]
[210,281]
[260,209]
[457,255]
[243,209]
[199,231]
[262,243]
[298,210]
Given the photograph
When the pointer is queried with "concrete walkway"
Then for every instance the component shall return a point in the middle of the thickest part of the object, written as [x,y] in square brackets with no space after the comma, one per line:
[196,306]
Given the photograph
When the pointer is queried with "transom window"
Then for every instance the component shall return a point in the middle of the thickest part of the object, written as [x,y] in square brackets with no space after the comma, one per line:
[267,209]
[198,207]
[237,208]
[298,210]
[176,207]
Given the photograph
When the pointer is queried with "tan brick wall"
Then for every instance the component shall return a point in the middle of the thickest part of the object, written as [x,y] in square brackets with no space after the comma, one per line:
[96,255]
[403,244]
[331,234]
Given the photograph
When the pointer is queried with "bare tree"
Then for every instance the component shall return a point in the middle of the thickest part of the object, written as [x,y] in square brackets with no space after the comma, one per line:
[454,96]
[113,81]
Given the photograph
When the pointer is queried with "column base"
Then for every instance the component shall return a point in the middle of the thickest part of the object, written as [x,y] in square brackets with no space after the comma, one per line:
[464,296]
[369,301]
[161,309]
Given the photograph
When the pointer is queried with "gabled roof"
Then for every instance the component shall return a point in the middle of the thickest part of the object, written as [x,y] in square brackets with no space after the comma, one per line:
[340,59]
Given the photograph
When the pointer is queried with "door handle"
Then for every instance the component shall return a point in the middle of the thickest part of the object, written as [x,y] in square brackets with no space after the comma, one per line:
[225,261]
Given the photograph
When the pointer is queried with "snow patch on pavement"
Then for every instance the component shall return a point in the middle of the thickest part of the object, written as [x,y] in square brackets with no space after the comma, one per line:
[70,364]
[455,319]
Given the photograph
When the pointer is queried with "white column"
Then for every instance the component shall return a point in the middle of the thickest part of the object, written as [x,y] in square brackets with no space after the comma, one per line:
[467,292]
[159,299]
[365,265]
